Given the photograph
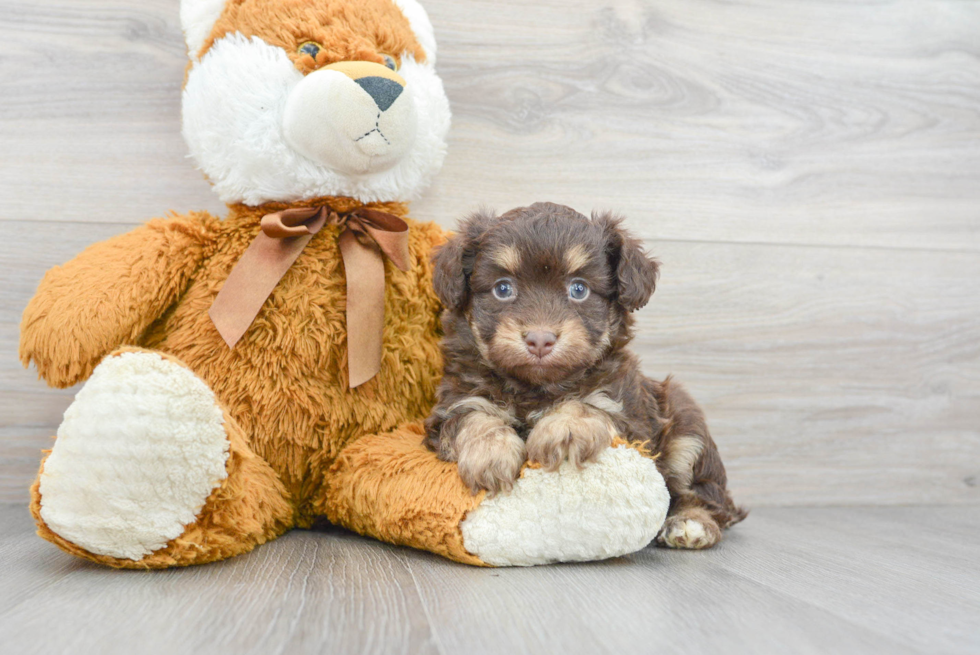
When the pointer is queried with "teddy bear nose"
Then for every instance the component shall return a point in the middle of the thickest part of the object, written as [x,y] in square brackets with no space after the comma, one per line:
[540,344]
[383,91]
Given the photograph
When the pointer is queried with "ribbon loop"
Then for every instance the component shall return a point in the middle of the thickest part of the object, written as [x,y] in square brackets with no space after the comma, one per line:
[294,222]
[283,237]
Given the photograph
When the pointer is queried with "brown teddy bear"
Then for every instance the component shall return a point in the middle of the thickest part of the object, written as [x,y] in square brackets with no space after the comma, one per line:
[247,375]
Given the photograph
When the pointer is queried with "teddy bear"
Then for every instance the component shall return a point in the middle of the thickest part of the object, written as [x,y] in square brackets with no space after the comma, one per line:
[251,374]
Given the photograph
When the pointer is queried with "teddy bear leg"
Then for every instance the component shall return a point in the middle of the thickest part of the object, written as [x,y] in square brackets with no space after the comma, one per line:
[392,488]
[148,471]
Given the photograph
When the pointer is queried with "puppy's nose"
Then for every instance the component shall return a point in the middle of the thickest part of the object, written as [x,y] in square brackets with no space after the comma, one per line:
[540,344]
[383,91]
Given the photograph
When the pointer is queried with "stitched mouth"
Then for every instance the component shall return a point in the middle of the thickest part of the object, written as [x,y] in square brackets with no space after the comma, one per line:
[376,129]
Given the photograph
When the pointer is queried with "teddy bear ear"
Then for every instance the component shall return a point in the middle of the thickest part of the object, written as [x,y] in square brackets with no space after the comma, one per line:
[197,19]
[419,21]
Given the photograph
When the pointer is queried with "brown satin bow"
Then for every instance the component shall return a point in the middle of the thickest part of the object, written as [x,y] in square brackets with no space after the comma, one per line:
[368,233]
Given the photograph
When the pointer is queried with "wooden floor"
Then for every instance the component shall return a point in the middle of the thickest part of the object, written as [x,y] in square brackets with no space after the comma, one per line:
[802,580]
[809,174]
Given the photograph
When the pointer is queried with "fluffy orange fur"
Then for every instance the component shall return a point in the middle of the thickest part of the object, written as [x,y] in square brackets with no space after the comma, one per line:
[345,30]
[303,444]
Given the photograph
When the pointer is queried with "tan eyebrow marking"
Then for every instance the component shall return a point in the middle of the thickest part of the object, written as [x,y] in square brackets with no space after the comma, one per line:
[507,258]
[576,258]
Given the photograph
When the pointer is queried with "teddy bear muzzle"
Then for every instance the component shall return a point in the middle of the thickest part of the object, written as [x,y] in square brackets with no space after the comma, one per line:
[357,117]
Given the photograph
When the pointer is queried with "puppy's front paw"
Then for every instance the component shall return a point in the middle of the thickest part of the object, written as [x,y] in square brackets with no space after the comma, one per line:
[573,431]
[489,454]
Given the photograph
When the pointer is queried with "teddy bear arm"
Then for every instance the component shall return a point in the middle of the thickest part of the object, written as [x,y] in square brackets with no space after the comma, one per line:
[109,295]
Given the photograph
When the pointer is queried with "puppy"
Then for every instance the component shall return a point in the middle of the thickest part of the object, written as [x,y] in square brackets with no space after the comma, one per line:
[537,323]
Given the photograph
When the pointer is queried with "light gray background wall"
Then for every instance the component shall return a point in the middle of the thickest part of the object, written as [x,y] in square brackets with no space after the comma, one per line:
[808,172]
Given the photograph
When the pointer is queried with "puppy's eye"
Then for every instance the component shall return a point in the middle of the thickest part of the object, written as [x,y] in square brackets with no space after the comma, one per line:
[309,48]
[578,290]
[504,290]
[390,62]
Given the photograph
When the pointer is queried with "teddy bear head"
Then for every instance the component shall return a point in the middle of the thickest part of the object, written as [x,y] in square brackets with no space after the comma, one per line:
[289,100]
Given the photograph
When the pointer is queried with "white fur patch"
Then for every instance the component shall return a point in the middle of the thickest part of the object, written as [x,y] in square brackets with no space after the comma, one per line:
[138,453]
[233,109]
[419,21]
[331,120]
[197,18]
[610,508]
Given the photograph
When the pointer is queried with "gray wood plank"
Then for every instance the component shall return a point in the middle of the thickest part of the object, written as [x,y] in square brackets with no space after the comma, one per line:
[802,580]
[766,121]
[91,112]
[823,122]
[305,593]
[648,603]
[839,580]
[907,573]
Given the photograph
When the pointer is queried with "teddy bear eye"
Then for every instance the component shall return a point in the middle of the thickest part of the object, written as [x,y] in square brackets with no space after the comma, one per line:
[578,290]
[504,289]
[390,62]
[310,48]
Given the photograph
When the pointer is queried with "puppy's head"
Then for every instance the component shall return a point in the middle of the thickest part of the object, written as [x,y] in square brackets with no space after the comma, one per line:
[544,290]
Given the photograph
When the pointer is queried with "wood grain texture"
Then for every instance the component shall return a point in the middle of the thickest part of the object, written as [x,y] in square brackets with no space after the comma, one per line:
[807,172]
[809,580]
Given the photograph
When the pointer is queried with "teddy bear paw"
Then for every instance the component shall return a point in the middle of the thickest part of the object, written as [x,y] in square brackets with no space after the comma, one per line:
[611,507]
[140,449]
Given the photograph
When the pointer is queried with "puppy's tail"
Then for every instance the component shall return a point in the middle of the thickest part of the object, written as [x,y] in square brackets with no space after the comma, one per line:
[733,513]
[718,502]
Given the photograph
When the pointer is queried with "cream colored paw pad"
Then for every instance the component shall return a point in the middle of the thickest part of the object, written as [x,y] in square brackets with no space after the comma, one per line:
[686,533]
[612,507]
[138,453]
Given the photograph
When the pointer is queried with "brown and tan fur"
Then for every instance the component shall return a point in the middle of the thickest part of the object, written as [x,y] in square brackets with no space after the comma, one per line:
[501,404]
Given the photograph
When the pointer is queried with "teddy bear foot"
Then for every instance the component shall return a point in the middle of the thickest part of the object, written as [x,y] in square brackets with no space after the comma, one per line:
[140,450]
[612,507]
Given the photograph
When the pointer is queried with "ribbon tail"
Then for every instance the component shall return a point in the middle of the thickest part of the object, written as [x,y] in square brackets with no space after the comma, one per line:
[365,272]
[389,232]
[251,282]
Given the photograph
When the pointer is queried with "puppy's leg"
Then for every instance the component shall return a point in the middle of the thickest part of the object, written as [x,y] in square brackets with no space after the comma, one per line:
[576,430]
[479,437]
[700,503]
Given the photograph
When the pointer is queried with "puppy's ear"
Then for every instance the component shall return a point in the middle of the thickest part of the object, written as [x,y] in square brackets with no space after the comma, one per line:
[636,272]
[453,261]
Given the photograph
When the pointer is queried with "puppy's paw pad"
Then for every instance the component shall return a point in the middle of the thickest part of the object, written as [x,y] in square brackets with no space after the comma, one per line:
[688,533]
